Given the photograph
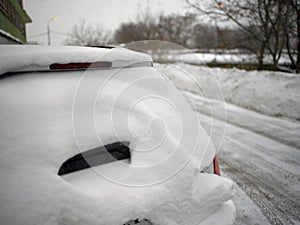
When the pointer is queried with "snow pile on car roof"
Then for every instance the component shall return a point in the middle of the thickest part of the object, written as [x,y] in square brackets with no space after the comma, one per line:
[16,57]
[46,118]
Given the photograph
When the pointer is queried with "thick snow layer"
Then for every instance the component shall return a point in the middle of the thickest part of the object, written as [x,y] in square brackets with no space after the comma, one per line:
[220,56]
[18,57]
[271,93]
[47,118]
[199,58]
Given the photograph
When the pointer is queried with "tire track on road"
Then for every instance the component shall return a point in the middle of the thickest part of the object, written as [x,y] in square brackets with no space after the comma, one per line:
[258,173]
[281,130]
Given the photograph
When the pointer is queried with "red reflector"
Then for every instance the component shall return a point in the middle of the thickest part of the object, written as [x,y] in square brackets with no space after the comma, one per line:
[216,166]
[74,66]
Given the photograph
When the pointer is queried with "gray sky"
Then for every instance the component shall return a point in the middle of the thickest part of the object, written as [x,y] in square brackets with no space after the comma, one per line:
[108,13]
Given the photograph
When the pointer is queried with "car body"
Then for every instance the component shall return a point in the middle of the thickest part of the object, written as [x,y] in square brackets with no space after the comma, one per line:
[99,136]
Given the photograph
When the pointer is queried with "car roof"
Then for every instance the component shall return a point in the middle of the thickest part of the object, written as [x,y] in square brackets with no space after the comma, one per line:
[16,58]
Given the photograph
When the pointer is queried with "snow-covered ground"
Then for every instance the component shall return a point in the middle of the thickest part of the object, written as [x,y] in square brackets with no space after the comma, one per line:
[260,152]
[271,93]
[218,56]
[240,58]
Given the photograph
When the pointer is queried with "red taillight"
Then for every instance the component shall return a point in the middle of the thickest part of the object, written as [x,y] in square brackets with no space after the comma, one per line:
[216,166]
[74,66]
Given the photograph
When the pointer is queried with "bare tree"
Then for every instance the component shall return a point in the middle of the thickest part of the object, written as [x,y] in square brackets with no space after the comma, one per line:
[172,28]
[177,28]
[144,28]
[85,34]
[293,33]
[204,36]
[274,16]
[263,20]
[186,30]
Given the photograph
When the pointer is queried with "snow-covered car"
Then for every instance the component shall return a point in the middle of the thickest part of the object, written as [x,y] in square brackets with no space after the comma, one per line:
[99,136]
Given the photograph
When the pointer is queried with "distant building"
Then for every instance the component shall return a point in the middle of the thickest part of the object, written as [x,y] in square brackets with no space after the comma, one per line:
[12,22]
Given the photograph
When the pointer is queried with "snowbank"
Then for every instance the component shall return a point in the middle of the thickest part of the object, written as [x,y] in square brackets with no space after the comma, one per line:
[271,93]
[219,57]
[201,58]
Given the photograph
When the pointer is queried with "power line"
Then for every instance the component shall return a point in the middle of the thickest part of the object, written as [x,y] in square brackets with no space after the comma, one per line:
[61,33]
[37,35]
[54,32]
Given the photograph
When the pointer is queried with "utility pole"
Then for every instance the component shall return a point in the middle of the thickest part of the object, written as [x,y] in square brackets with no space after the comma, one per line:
[48,33]
[48,29]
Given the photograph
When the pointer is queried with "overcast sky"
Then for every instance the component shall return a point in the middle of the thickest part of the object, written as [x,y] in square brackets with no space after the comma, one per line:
[108,13]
